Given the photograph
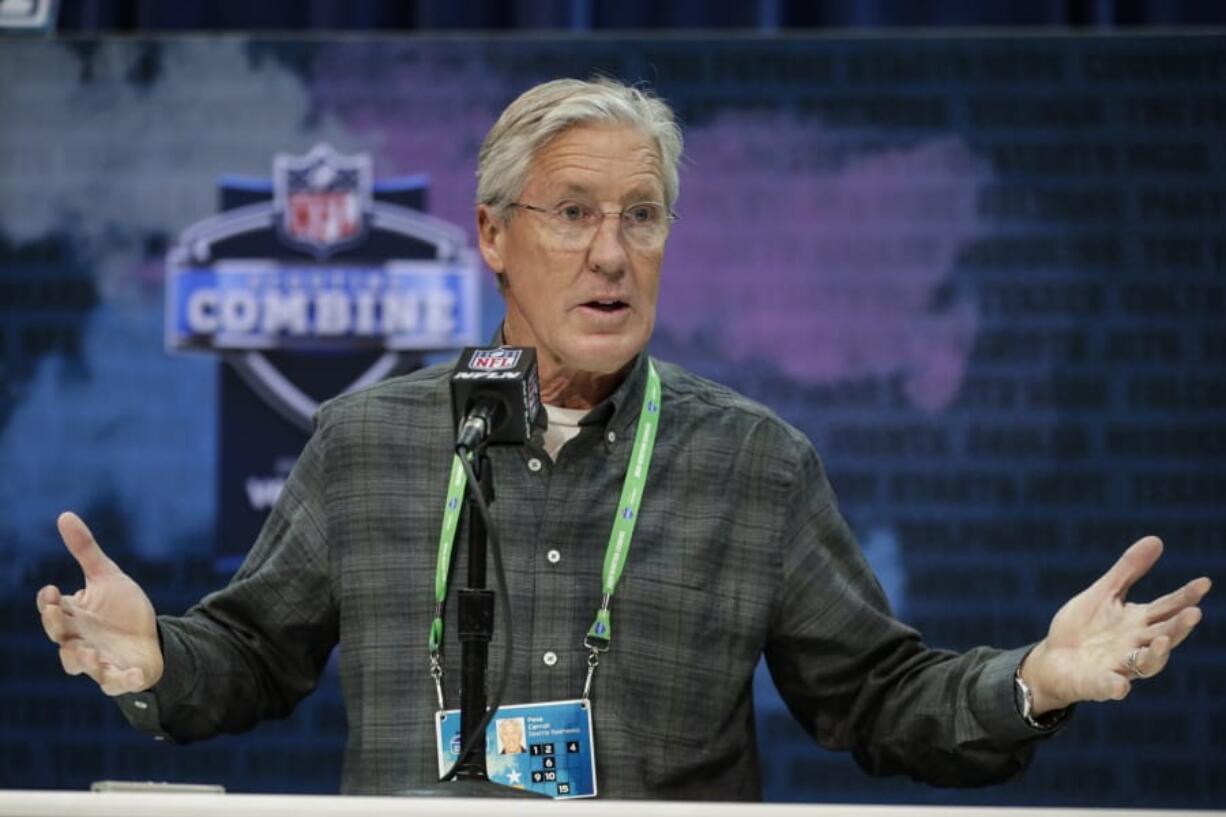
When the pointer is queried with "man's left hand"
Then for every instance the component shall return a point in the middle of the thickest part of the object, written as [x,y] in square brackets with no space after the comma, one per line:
[1099,643]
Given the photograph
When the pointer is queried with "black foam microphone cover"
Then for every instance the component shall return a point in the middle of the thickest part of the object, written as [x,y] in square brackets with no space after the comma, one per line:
[495,395]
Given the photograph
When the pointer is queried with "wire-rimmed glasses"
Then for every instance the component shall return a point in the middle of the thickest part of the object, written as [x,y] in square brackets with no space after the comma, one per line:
[644,225]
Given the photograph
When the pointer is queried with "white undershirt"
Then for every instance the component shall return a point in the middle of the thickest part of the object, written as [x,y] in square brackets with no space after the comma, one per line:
[563,427]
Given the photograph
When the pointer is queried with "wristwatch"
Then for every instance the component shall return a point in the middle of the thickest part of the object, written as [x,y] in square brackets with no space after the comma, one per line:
[1024,698]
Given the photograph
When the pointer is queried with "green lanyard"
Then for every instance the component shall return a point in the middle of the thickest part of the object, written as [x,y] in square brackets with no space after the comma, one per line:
[600,634]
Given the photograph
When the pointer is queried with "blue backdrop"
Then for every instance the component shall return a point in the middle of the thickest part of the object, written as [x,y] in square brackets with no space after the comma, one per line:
[986,276]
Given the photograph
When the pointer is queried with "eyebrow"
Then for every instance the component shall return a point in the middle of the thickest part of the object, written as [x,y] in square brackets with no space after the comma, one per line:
[636,195]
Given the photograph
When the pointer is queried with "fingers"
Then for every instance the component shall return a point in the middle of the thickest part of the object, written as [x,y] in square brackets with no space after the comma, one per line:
[60,621]
[1132,565]
[81,660]
[63,620]
[57,624]
[1187,596]
[1176,629]
[1151,660]
[48,595]
[82,545]
[1149,657]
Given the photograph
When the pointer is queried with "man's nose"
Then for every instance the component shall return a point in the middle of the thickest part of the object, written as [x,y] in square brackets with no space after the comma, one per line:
[607,254]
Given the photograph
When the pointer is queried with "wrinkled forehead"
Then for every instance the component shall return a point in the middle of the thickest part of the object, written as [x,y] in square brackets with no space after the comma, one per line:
[597,160]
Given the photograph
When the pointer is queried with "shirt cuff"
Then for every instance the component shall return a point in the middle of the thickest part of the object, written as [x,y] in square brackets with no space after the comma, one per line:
[999,709]
[144,709]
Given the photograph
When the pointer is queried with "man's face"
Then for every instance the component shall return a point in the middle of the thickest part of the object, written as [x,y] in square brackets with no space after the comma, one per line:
[510,732]
[588,309]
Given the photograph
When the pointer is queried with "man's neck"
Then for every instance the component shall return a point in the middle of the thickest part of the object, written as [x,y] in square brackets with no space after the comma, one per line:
[577,390]
[571,388]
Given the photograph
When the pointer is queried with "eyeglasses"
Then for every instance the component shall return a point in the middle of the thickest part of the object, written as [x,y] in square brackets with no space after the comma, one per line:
[574,224]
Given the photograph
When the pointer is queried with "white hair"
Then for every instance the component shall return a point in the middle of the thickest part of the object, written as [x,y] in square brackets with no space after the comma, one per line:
[542,112]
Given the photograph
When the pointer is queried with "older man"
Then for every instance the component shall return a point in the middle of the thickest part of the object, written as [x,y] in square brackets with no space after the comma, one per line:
[739,549]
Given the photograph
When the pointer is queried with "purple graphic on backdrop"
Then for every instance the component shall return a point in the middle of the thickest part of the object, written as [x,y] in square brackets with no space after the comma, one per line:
[796,256]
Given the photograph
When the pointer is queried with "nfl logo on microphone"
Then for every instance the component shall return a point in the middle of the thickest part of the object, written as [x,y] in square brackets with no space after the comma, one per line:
[494,360]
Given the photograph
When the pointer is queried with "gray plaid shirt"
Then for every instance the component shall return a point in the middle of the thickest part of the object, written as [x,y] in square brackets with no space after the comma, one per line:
[739,551]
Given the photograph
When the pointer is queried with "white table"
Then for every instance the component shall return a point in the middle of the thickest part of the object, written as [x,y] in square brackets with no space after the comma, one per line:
[21,803]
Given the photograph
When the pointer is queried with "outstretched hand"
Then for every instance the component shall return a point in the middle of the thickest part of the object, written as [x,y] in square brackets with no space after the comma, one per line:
[108,630]
[1099,643]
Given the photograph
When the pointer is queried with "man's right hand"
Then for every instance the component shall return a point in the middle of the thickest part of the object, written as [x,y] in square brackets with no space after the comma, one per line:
[108,630]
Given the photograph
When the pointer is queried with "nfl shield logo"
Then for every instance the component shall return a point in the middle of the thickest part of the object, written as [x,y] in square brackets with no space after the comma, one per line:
[494,360]
[322,199]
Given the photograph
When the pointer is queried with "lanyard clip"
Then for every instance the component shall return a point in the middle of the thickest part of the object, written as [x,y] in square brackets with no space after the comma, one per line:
[436,672]
[593,661]
[598,639]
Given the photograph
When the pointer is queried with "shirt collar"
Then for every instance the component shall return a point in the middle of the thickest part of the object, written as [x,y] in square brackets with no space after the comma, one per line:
[620,409]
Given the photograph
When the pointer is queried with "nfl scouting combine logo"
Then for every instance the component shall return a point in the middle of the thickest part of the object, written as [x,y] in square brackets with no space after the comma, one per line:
[320,258]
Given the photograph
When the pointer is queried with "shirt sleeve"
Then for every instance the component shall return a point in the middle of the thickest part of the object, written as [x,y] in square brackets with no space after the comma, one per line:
[858,679]
[255,648]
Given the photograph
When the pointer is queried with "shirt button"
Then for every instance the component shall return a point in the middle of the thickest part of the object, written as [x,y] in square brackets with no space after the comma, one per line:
[554,556]
[611,437]
[534,464]
[140,704]
[550,658]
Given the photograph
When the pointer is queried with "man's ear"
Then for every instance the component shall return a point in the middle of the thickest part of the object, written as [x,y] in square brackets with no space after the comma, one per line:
[490,233]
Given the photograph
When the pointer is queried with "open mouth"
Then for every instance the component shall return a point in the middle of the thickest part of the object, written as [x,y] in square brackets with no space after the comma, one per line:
[606,306]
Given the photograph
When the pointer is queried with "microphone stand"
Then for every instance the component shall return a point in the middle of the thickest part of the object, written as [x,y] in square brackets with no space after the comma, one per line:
[475,614]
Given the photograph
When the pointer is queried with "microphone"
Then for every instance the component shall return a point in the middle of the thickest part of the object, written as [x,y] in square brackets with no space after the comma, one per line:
[495,396]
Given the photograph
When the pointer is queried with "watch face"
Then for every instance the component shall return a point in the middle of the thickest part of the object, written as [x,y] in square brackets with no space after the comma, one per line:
[1021,697]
